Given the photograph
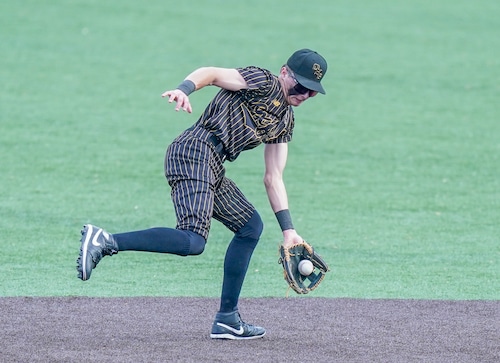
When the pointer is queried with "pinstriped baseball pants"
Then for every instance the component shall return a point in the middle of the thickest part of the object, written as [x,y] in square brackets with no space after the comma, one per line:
[200,190]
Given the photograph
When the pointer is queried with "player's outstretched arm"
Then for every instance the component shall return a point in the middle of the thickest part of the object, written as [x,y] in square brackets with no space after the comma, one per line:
[227,78]
[275,156]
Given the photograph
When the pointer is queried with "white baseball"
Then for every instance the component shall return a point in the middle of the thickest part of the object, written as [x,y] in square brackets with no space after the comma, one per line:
[306,267]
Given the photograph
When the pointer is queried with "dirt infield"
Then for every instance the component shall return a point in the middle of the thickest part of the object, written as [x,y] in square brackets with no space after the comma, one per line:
[77,329]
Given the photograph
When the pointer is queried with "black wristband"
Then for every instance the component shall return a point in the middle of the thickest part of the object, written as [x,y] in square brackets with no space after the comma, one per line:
[284,219]
[187,87]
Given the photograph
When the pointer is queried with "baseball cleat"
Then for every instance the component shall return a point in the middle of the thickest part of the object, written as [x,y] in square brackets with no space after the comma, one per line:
[96,243]
[230,326]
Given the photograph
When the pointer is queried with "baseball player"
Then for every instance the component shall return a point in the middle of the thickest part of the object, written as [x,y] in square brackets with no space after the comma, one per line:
[252,107]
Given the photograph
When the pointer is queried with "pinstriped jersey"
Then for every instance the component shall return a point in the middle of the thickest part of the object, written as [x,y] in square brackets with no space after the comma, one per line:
[246,118]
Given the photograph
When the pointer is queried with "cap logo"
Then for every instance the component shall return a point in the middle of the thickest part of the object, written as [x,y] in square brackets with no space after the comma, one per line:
[318,72]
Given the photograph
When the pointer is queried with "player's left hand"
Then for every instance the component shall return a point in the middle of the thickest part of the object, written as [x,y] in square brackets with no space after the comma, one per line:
[181,99]
[290,258]
[291,237]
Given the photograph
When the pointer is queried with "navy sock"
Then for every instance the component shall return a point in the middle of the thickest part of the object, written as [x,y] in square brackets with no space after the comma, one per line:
[236,262]
[163,240]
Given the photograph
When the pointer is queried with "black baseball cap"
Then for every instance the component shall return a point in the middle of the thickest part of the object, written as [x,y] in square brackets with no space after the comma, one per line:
[309,68]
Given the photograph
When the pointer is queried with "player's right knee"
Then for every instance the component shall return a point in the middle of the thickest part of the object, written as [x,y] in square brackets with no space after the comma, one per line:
[196,243]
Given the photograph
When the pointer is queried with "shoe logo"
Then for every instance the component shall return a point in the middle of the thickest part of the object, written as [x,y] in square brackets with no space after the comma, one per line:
[94,240]
[235,331]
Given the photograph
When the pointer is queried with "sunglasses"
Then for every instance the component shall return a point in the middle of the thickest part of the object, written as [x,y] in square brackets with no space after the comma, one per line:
[299,89]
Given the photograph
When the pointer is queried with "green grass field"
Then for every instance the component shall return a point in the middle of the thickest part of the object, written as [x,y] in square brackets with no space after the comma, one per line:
[394,176]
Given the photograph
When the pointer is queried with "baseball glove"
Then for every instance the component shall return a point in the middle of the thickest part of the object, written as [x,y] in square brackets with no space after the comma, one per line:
[290,258]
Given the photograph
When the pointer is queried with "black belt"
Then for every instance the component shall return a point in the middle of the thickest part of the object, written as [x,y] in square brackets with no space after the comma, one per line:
[219,146]
[215,141]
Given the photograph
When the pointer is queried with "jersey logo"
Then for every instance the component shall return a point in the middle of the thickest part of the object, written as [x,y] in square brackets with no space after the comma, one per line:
[276,103]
